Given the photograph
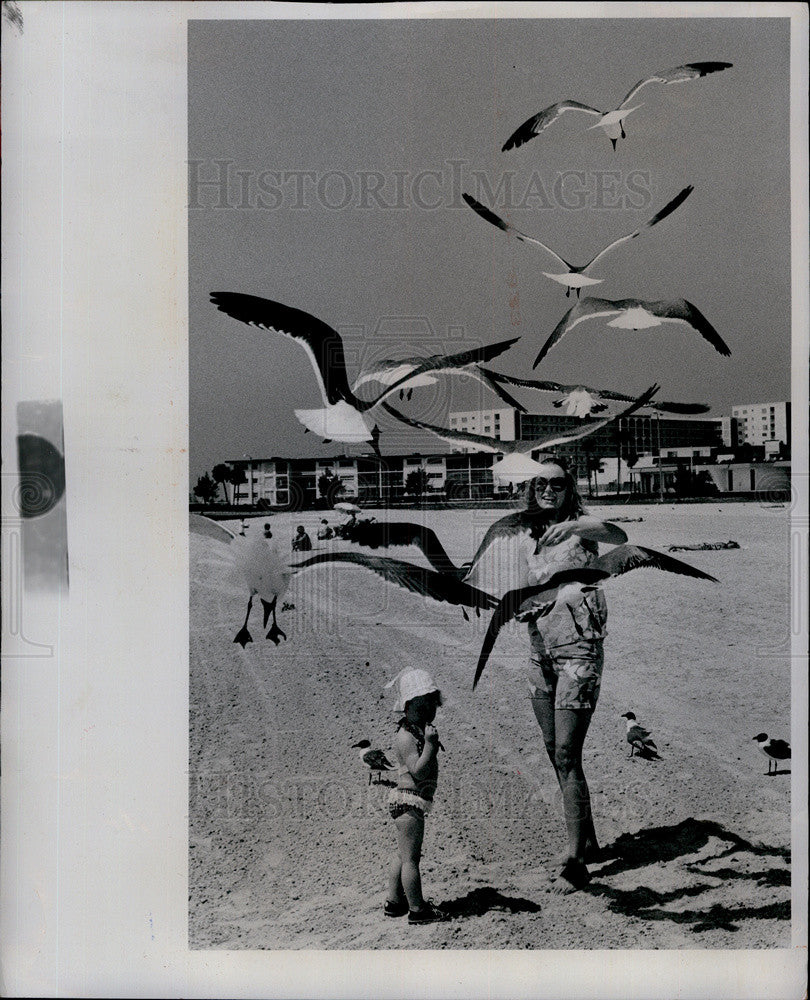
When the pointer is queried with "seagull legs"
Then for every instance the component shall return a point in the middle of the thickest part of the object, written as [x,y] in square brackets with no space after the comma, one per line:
[275,632]
[243,637]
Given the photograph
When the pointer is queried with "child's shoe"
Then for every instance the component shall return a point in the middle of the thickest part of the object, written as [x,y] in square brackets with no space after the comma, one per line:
[395,909]
[429,914]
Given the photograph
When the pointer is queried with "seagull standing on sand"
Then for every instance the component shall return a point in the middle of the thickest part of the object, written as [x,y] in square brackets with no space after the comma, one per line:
[342,416]
[635,314]
[774,750]
[375,760]
[574,276]
[611,122]
[639,739]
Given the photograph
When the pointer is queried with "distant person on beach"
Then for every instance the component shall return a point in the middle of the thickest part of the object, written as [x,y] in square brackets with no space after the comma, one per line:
[301,542]
[565,666]
[417,747]
[325,531]
[267,532]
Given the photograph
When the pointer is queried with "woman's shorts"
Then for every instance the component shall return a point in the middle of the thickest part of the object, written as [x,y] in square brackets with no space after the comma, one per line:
[403,800]
[567,654]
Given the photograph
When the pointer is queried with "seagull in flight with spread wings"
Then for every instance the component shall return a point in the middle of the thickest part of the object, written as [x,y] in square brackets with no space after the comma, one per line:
[611,122]
[342,416]
[539,599]
[517,464]
[583,401]
[574,276]
[635,314]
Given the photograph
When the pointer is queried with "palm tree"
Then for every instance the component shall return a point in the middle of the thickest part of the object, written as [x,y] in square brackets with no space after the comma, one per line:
[221,475]
[205,488]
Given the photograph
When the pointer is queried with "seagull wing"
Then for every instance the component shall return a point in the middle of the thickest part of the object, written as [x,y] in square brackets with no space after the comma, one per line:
[626,557]
[546,386]
[506,527]
[668,209]
[199,525]
[680,74]
[439,362]
[515,601]
[507,227]
[589,428]
[440,587]
[452,436]
[779,748]
[322,344]
[376,535]
[681,311]
[584,309]
[541,121]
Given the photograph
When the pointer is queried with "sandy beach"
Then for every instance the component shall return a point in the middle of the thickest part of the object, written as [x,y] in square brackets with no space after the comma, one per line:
[289,842]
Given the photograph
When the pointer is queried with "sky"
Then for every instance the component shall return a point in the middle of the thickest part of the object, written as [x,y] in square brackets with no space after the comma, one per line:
[345,147]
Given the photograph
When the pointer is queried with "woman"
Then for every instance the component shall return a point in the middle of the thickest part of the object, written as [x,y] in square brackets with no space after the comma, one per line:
[566,649]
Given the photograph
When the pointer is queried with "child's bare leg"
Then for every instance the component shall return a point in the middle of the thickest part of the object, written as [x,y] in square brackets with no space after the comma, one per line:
[410,833]
[396,893]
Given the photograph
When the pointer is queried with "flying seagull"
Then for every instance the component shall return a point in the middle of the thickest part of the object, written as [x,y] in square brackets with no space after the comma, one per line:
[377,535]
[341,417]
[517,465]
[774,750]
[639,738]
[538,600]
[445,588]
[635,314]
[583,401]
[375,760]
[395,371]
[574,276]
[268,573]
[611,122]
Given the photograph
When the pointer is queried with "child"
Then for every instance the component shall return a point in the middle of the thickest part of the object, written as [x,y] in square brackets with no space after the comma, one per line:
[417,746]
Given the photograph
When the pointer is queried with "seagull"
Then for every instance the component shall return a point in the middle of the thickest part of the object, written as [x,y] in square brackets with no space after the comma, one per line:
[445,588]
[268,573]
[574,276]
[265,571]
[375,760]
[611,122]
[375,535]
[341,417]
[640,739]
[539,599]
[517,465]
[635,314]
[583,401]
[392,371]
[774,750]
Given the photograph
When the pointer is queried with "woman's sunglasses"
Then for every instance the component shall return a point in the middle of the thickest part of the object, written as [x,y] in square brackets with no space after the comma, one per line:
[558,484]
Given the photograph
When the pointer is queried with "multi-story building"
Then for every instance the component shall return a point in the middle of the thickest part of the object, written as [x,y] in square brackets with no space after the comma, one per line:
[760,423]
[501,424]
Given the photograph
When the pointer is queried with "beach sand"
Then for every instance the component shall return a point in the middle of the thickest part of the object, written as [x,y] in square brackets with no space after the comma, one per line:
[289,843]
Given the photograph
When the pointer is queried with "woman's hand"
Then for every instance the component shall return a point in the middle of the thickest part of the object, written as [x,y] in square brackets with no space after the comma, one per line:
[431,735]
[558,533]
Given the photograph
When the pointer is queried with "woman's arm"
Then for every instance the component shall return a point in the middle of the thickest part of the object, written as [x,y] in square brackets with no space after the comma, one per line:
[585,526]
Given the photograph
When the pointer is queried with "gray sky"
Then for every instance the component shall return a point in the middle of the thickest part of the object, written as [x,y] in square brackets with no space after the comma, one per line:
[397,98]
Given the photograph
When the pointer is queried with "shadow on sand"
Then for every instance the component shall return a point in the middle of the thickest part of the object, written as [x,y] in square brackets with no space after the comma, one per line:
[480,901]
[659,845]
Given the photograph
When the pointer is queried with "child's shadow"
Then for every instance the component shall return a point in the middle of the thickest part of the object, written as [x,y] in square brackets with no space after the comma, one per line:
[480,901]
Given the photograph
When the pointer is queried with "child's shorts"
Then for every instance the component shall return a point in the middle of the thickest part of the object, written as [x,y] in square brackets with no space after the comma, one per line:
[567,654]
[403,800]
